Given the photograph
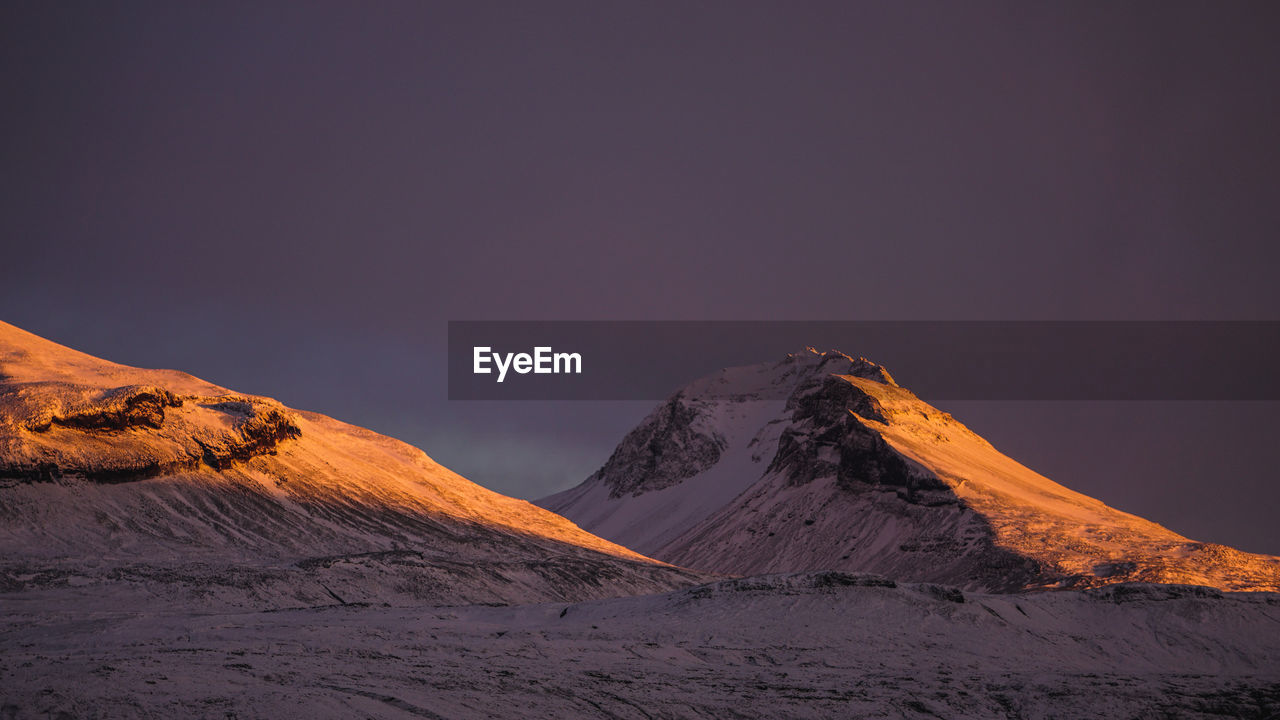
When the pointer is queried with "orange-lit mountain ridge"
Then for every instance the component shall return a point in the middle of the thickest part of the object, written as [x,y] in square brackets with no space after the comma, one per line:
[113,475]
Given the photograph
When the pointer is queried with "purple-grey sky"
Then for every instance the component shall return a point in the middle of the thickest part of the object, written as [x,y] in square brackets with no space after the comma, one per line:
[293,198]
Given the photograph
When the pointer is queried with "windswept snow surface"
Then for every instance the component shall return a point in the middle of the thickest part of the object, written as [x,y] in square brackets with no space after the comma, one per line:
[825,645]
[852,472]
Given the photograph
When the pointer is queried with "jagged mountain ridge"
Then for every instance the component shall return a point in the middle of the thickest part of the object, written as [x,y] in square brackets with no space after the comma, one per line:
[821,461]
[154,481]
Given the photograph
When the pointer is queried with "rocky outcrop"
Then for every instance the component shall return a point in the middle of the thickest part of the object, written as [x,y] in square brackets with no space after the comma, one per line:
[664,449]
[828,436]
[42,405]
[258,429]
[51,430]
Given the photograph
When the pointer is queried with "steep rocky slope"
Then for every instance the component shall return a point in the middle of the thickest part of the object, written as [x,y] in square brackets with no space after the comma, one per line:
[822,461]
[144,483]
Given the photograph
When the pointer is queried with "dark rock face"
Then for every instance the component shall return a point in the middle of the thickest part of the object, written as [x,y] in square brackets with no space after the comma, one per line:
[1145,592]
[39,406]
[260,432]
[120,409]
[827,437]
[663,450]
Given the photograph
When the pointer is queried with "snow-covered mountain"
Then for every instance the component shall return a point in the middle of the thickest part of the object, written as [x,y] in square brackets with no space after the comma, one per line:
[822,462]
[130,483]
[169,548]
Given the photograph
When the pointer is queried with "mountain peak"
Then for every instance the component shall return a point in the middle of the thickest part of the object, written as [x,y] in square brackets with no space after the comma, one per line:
[834,362]
[833,466]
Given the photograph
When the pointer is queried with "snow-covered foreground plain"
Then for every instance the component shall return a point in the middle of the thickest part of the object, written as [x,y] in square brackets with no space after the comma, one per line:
[797,646]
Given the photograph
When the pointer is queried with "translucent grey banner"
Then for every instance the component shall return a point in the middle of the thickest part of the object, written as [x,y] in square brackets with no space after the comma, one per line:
[942,360]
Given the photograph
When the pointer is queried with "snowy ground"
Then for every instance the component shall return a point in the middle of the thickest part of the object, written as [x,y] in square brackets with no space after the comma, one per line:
[816,645]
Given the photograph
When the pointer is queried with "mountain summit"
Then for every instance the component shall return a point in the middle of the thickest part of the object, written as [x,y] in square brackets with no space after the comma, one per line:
[156,481]
[822,462]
